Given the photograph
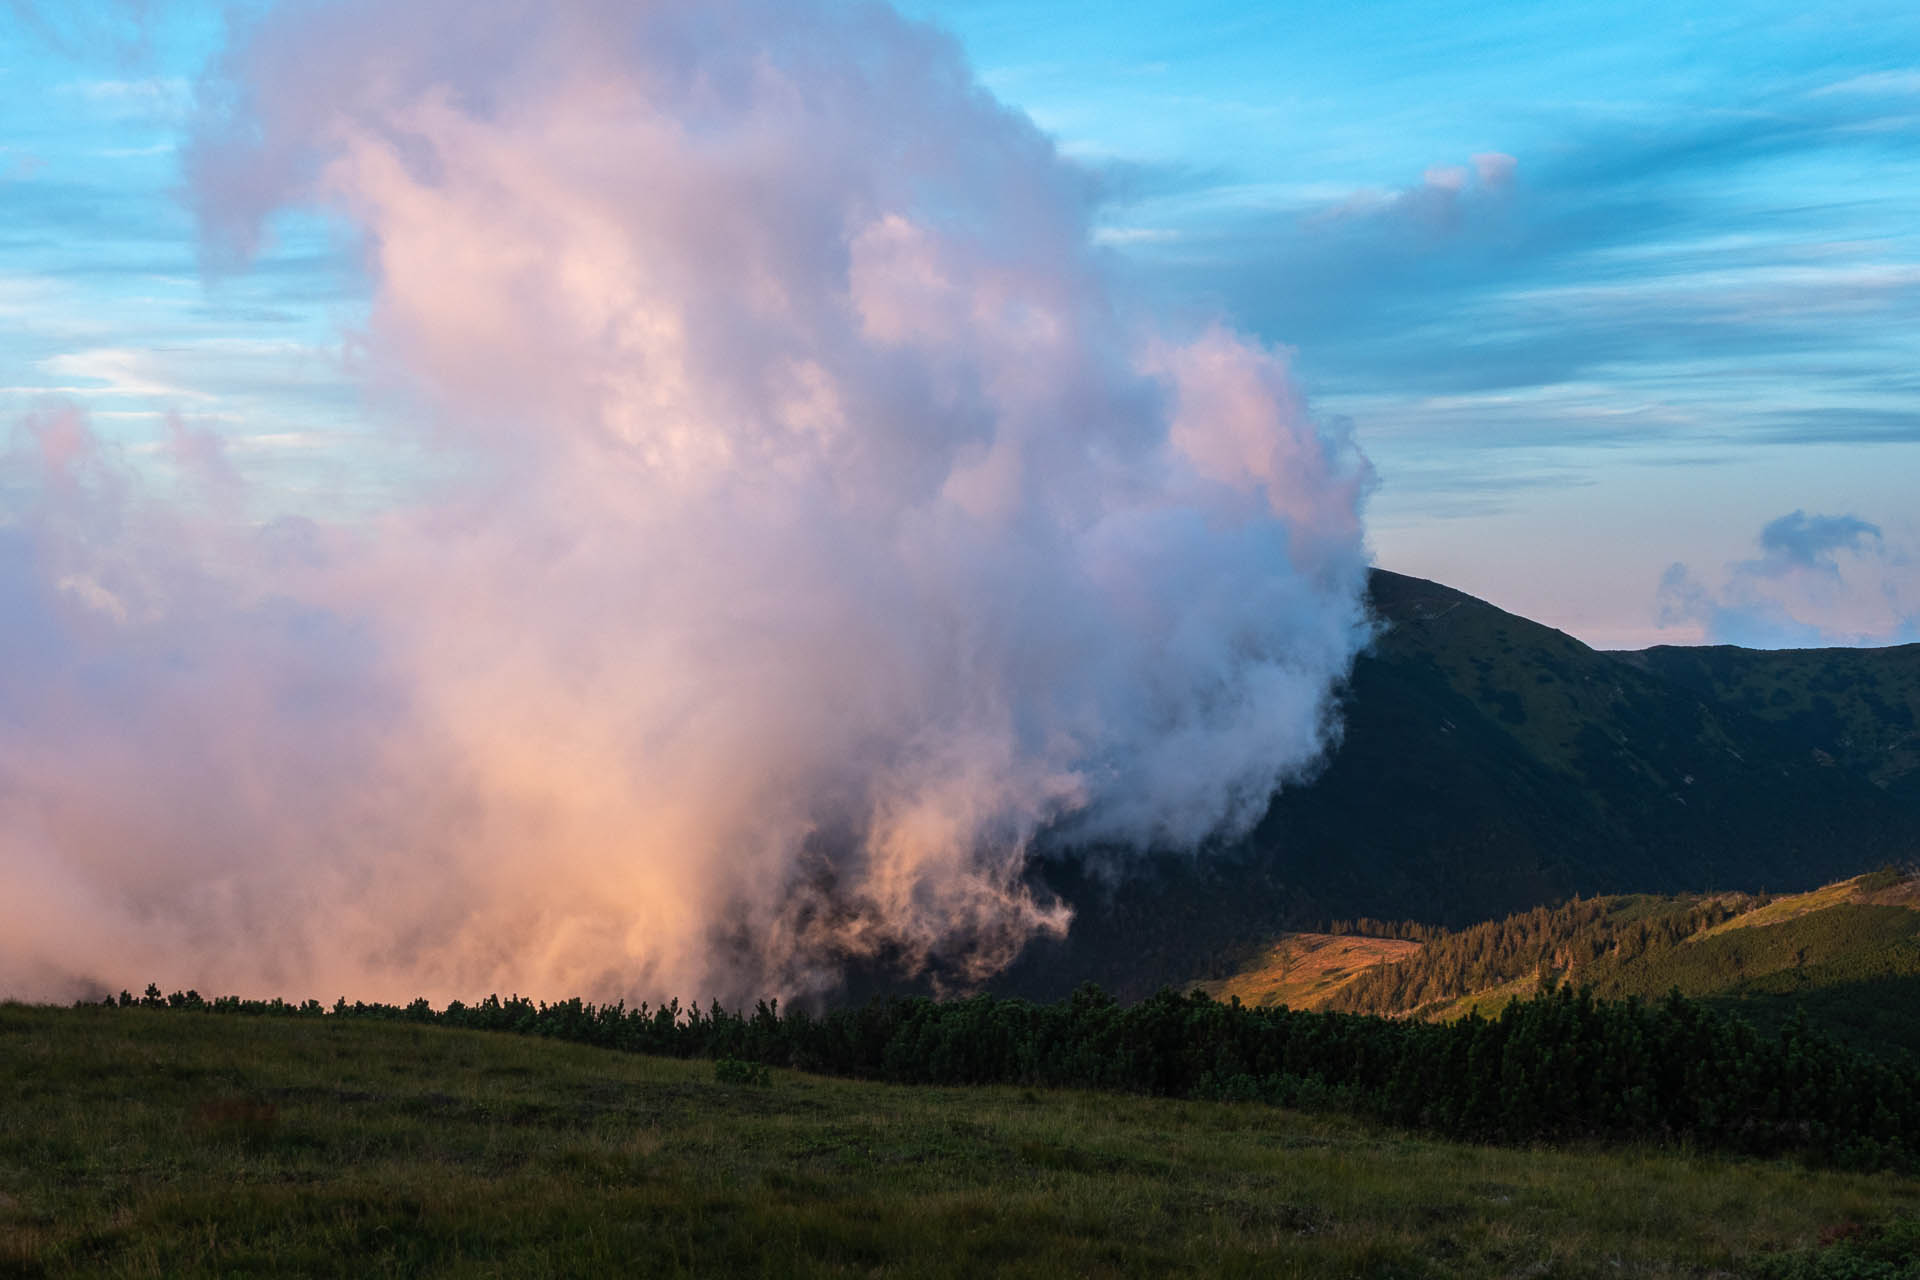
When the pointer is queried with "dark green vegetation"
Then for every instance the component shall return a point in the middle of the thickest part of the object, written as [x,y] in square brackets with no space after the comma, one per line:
[1860,708]
[1560,1067]
[1491,764]
[1847,957]
[142,1143]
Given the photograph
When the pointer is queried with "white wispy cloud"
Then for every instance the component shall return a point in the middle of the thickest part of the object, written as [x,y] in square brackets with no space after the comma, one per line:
[124,153]
[159,99]
[119,371]
[1875,83]
[1134,235]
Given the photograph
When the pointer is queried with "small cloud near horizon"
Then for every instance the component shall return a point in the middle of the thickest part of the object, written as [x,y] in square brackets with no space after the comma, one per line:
[1800,541]
[1820,580]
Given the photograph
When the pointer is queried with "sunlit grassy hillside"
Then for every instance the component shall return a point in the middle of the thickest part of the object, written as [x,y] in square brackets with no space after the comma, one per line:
[1304,970]
[1847,955]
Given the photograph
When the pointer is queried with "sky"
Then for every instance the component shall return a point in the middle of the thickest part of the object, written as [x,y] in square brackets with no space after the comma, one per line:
[1622,302]
[631,499]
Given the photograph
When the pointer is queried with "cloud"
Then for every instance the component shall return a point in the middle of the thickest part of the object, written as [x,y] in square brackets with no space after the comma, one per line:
[1799,541]
[1618,242]
[810,523]
[1875,84]
[200,454]
[158,100]
[1848,425]
[1447,199]
[1819,580]
[1135,235]
[1495,168]
[117,371]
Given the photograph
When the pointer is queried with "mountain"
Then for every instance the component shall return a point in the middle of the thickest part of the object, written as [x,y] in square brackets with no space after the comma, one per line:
[1490,764]
[1846,955]
[1859,708]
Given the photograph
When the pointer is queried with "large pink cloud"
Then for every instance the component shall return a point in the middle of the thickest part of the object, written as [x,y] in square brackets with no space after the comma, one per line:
[813,524]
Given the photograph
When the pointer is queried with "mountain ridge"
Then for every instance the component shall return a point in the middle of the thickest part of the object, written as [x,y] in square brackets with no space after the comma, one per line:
[1490,764]
[1845,955]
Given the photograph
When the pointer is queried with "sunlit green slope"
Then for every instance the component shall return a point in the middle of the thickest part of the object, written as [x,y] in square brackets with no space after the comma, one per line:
[1846,955]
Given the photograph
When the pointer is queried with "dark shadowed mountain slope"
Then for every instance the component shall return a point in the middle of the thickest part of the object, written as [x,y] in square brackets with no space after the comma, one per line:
[1491,764]
[1860,707]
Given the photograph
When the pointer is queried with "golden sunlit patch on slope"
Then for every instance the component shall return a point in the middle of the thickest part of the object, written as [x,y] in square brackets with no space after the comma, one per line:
[1874,889]
[1848,954]
[1301,970]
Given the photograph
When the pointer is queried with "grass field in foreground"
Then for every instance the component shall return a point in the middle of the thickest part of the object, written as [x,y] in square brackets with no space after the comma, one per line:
[171,1144]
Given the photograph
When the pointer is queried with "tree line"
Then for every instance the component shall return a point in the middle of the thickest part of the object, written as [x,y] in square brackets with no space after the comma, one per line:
[1643,945]
[1562,1066]
[1586,940]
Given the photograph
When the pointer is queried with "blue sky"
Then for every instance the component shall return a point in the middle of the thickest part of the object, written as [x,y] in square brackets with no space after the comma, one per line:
[1604,290]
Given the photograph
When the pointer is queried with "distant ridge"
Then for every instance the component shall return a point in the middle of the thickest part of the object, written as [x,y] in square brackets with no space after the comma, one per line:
[1491,764]
[1847,955]
[1861,707]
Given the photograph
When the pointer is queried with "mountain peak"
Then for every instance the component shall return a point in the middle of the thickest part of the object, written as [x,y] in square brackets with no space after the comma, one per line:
[1489,764]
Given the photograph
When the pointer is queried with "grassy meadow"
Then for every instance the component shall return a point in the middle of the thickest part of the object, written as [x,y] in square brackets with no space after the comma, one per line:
[1304,970]
[144,1143]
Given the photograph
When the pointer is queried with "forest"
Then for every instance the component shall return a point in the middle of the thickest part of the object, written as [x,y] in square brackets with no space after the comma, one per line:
[1587,939]
[1564,1066]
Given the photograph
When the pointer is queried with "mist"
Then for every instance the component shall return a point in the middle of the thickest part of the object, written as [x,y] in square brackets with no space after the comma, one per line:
[811,523]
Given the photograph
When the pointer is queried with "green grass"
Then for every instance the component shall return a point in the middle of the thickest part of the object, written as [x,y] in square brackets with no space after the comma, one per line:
[141,1143]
